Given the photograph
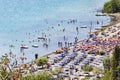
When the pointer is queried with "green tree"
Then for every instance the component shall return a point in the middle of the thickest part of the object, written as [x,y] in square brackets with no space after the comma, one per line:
[112,72]
[41,61]
[6,72]
[117,55]
[112,6]
[115,62]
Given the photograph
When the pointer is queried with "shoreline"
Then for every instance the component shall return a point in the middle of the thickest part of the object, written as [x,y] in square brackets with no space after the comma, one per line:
[115,19]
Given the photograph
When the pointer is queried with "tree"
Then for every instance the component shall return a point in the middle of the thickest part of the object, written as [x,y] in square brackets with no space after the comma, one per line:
[6,72]
[115,62]
[112,6]
[41,61]
[117,55]
[112,72]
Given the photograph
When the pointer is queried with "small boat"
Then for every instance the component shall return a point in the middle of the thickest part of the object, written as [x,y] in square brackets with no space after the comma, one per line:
[24,47]
[35,46]
[83,27]
[41,38]
[104,26]
[101,14]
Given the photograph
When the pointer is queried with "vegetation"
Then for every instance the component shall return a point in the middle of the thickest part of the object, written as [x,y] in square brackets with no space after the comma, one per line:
[98,52]
[41,61]
[98,70]
[107,75]
[103,28]
[112,66]
[88,68]
[102,52]
[106,63]
[6,72]
[112,6]
[115,62]
[38,76]
[57,71]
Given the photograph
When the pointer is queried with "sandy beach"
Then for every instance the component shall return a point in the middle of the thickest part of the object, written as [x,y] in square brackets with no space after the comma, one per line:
[72,59]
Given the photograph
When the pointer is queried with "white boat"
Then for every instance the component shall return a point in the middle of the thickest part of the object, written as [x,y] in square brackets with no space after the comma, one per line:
[83,27]
[36,46]
[24,47]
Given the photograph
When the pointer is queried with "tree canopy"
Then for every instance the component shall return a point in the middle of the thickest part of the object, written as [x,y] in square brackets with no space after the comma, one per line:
[41,61]
[112,6]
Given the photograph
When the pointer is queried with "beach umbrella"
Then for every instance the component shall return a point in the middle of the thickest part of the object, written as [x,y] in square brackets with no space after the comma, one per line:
[81,65]
[62,63]
[70,64]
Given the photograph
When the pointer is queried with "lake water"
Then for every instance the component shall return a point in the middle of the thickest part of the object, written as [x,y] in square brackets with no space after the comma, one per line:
[22,21]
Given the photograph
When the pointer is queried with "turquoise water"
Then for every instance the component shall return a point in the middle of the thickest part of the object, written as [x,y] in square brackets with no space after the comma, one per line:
[19,18]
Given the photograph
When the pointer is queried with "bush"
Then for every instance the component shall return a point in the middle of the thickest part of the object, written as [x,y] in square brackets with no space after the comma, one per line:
[38,76]
[29,77]
[102,52]
[103,28]
[57,70]
[87,68]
